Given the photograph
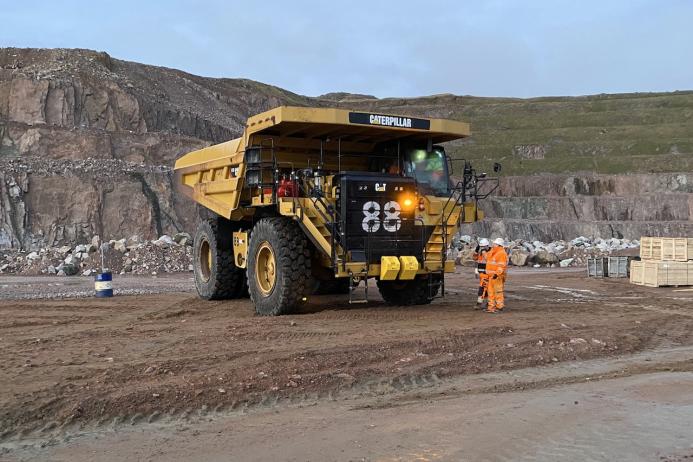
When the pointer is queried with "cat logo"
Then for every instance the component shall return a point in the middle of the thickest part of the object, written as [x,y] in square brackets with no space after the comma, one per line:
[380,187]
[382,120]
[389,121]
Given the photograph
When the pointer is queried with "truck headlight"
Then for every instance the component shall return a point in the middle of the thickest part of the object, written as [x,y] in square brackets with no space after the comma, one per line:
[407,202]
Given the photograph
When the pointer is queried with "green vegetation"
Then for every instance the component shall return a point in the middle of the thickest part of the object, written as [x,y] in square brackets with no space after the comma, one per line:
[623,133]
[603,133]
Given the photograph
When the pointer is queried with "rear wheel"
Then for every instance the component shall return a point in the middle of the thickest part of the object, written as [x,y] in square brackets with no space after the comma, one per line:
[216,274]
[278,266]
[404,293]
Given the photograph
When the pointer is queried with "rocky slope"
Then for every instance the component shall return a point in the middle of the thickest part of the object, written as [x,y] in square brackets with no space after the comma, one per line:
[547,207]
[87,142]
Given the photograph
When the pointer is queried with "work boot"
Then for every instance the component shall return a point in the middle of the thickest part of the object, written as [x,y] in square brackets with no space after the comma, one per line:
[490,311]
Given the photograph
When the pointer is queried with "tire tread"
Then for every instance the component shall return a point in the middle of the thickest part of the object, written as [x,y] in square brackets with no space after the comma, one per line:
[227,280]
[292,254]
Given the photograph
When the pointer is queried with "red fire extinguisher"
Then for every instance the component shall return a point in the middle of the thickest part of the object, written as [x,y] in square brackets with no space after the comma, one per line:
[287,188]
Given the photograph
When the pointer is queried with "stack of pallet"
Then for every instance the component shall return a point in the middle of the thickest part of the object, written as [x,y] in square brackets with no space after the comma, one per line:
[664,261]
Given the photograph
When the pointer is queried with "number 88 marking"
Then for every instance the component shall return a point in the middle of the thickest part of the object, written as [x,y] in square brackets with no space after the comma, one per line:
[371,221]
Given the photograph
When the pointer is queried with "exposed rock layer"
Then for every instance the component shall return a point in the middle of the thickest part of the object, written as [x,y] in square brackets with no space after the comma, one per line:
[87,142]
[547,207]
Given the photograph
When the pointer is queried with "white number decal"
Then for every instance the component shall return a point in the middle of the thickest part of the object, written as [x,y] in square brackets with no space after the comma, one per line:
[371,221]
[392,222]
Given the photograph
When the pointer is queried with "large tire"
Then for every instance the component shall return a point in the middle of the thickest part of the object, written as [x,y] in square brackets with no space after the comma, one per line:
[216,274]
[405,293]
[278,266]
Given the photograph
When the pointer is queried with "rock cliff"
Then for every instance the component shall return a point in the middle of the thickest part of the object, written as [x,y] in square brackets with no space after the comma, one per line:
[548,207]
[87,143]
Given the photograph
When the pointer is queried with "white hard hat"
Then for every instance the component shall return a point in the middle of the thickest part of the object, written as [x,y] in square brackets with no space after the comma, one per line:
[499,241]
[483,242]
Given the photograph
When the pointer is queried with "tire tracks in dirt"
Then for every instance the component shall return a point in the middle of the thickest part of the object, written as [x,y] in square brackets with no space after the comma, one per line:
[375,393]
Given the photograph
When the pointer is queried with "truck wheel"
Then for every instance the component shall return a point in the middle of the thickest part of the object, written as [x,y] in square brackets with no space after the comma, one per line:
[278,266]
[404,293]
[216,274]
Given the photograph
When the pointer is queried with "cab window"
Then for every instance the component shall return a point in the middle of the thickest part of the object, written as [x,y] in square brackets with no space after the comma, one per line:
[429,169]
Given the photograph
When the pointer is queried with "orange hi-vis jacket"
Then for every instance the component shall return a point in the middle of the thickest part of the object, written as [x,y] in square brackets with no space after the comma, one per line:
[481,262]
[496,262]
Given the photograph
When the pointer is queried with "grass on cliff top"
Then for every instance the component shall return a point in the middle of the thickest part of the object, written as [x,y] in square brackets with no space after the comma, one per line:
[636,133]
[621,133]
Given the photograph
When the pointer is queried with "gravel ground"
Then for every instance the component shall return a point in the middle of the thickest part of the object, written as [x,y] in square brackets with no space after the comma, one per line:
[74,367]
[55,287]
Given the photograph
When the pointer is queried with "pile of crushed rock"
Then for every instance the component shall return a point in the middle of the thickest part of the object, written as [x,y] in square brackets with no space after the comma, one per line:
[124,256]
[174,254]
[558,253]
[92,166]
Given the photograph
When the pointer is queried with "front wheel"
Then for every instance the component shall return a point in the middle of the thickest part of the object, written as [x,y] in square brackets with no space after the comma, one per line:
[278,266]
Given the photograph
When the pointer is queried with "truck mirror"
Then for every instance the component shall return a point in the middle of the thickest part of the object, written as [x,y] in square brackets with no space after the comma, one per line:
[497,167]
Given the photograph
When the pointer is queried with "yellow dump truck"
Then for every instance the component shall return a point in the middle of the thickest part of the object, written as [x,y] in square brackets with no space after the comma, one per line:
[320,200]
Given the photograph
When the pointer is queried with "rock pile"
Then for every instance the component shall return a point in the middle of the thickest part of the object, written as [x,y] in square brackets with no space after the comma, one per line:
[174,254]
[97,167]
[553,254]
[133,255]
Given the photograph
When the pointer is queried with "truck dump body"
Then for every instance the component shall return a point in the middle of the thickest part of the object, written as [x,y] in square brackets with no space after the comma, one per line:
[296,133]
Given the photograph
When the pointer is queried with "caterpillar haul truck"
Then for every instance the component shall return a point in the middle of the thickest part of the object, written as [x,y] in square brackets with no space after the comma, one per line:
[315,199]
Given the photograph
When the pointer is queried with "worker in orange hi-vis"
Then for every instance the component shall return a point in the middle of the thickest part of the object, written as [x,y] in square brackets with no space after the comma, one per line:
[480,258]
[496,269]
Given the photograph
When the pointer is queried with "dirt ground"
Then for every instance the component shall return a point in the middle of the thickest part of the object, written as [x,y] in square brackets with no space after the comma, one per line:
[586,421]
[77,365]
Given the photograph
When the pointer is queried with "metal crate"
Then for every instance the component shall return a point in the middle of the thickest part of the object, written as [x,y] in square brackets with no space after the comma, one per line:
[617,267]
[597,267]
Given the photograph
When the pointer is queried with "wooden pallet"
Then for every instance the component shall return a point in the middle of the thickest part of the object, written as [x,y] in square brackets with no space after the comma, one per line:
[637,272]
[665,273]
[666,248]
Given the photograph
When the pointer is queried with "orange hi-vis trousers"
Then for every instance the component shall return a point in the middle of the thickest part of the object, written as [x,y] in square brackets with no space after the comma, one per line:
[496,297]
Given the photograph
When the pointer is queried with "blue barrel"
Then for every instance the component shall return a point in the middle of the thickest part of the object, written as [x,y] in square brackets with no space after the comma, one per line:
[103,284]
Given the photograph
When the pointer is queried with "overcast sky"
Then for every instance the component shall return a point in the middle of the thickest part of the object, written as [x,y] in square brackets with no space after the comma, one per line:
[403,48]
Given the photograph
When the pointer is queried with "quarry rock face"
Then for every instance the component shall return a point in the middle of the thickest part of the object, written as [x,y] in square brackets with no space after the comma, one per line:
[53,203]
[549,207]
[87,143]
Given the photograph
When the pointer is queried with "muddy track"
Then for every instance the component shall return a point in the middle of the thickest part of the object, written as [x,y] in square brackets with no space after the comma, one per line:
[376,394]
[77,366]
